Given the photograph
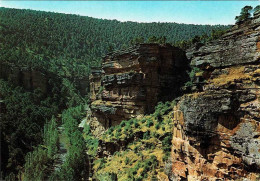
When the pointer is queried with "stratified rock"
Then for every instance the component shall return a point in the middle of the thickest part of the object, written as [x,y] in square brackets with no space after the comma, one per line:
[217,130]
[240,45]
[132,82]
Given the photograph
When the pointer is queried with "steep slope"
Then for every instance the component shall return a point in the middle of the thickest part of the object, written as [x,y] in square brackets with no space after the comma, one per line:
[132,82]
[217,130]
[68,45]
[213,129]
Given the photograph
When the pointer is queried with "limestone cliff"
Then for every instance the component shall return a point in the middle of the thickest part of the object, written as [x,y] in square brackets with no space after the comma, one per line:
[217,130]
[132,82]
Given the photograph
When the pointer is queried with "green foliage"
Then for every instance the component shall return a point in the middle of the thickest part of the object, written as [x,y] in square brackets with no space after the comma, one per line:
[202,39]
[127,160]
[154,39]
[147,165]
[162,109]
[107,177]
[64,46]
[37,162]
[23,115]
[149,123]
[150,135]
[137,40]
[100,90]
[122,124]
[166,142]
[68,45]
[166,156]
[36,165]
[256,10]
[91,142]
[73,167]
[192,74]
[146,135]
[71,95]
[51,137]
[244,14]
[157,126]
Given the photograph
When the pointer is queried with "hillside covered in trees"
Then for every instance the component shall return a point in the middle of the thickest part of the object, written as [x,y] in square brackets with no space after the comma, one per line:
[71,44]
[67,46]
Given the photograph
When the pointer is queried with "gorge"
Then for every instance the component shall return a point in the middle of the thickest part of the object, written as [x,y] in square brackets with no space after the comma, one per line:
[216,129]
[170,102]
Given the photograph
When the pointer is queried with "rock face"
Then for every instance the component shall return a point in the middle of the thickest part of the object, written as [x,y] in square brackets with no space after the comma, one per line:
[240,45]
[132,82]
[217,130]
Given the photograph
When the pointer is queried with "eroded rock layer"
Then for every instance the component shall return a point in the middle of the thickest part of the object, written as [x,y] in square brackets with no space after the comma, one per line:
[217,130]
[132,82]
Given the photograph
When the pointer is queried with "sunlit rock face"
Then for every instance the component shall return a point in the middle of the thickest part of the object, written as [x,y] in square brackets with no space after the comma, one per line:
[216,132]
[132,82]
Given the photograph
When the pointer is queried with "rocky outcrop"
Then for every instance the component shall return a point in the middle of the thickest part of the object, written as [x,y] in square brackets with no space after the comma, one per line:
[217,129]
[240,45]
[132,82]
[216,126]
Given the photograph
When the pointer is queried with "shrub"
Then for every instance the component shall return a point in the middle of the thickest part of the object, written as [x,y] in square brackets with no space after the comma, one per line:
[157,126]
[136,149]
[136,125]
[127,160]
[146,135]
[166,156]
[117,134]
[123,123]
[149,123]
[119,129]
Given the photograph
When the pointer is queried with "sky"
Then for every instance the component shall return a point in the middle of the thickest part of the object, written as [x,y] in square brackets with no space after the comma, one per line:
[188,12]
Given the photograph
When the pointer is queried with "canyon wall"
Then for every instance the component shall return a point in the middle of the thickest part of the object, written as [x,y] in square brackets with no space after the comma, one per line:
[216,123]
[217,129]
[132,82]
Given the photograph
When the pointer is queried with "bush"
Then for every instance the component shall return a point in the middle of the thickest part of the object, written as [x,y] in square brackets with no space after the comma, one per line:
[166,142]
[117,135]
[127,160]
[162,109]
[157,126]
[119,129]
[149,123]
[123,123]
[166,156]
[146,135]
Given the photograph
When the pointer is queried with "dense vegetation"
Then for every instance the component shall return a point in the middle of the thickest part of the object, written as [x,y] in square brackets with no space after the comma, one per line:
[67,46]
[147,149]
[246,13]
[23,115]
